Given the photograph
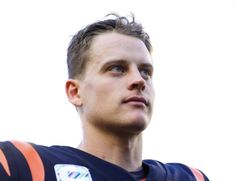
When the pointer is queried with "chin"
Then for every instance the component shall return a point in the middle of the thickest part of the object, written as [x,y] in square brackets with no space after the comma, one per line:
[137,125]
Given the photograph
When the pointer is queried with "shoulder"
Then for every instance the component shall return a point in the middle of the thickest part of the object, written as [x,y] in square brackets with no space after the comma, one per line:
[10,157]
[176,171]
[4,166]
[20,160]
[28,161]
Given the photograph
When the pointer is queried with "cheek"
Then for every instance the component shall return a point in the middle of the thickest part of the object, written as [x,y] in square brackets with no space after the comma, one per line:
[97,93]
[151,93]
[150,89]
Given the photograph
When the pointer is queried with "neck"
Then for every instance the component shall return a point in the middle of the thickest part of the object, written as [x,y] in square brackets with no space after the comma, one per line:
[124,151]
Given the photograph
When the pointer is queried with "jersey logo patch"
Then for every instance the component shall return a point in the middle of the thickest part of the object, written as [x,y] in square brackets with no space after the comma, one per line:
[69,172]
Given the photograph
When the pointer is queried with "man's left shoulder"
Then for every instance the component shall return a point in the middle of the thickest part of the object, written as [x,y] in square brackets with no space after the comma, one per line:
[176,171]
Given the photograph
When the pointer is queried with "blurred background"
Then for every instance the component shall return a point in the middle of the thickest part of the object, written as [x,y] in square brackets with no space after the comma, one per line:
[194,59]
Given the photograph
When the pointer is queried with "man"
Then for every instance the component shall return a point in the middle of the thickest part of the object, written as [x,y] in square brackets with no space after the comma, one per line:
[110,84]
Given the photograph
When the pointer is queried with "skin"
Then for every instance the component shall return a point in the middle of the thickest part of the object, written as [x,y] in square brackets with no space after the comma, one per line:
[114,99]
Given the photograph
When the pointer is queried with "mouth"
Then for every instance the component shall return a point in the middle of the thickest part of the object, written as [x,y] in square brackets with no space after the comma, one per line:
[136,100]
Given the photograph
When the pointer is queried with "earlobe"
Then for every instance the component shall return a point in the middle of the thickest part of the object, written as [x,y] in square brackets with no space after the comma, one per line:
[72,88]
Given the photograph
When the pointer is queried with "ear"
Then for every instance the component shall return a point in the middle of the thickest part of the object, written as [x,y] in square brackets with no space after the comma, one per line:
[72,88]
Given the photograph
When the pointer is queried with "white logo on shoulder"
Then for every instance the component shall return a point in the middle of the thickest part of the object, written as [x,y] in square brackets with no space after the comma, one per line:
[69,172]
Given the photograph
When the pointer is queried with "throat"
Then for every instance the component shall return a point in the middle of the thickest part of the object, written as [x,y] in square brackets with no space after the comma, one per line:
[125,152]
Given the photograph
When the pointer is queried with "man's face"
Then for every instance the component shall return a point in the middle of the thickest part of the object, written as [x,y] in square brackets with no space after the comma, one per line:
[117,92]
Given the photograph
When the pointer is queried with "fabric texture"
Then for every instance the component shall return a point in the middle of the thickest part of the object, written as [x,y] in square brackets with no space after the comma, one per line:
[20,161]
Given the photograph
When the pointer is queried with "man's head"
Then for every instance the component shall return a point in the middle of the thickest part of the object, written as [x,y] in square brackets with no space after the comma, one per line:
[112,85]
[78,50]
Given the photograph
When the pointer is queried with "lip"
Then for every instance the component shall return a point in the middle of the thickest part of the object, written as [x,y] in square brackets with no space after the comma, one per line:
[136,100]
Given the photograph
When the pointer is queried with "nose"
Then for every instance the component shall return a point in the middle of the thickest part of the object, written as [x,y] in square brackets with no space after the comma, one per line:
[136,81]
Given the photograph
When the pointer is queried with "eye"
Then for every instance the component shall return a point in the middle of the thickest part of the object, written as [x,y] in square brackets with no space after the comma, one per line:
[146,73]
[116,68]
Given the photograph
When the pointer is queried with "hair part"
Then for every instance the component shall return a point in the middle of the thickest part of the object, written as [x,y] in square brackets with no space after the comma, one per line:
[78,54]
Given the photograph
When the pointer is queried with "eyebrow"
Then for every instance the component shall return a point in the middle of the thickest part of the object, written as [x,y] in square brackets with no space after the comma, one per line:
[147,65]
[124,62]
[121,61]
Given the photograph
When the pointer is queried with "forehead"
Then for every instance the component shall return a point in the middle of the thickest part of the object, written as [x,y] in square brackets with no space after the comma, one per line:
[116,46]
